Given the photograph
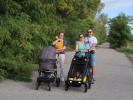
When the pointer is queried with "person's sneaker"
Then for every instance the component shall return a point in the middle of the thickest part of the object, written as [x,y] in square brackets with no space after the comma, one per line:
[93,79]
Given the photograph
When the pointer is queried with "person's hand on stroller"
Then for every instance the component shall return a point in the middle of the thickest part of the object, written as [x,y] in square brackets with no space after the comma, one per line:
[91,51]
[79,51]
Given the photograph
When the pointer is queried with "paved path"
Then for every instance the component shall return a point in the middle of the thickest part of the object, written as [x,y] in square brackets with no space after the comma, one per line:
[114,81]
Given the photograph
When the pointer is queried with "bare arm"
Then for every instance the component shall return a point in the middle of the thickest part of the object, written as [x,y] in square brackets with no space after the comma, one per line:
[76,47]
[54,42]
[93,47]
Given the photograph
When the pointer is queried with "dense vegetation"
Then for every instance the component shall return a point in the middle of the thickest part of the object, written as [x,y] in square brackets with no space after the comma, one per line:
[28,25]
[119,31]
[120,36]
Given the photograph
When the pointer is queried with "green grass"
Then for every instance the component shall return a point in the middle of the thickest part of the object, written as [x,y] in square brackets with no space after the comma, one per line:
[128,50]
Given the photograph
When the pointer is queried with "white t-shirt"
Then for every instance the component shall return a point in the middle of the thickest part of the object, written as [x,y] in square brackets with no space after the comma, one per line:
[89,41]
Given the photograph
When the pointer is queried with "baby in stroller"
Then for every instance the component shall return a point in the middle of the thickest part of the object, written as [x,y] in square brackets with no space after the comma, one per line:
[47,67]
[78,69]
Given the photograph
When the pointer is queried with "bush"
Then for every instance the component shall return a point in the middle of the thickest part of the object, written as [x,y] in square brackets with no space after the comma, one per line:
[28,25]
[126,50]
[119,31]
[2,74]
[16,70]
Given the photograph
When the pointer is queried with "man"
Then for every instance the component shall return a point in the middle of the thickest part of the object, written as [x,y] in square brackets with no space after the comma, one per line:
[91,42]
[60,49]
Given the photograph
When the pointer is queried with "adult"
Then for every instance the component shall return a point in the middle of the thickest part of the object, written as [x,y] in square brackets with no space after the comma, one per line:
[80,46]
[59,44]
[91,42]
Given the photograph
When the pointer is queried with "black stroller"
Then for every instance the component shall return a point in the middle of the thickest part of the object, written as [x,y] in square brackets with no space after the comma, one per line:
[47,68]
[79,73]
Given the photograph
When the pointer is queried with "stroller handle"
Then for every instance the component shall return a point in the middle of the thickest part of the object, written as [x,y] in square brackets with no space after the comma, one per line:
[82,51]
[85,51]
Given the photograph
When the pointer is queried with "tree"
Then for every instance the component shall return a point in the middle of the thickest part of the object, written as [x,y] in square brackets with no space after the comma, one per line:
[28,25]
[119,31]
[99,27]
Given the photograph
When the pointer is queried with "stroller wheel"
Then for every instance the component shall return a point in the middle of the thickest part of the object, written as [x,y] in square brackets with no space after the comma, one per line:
[85,87]
[66,86]
[49,87]
[57,82]
[89,84]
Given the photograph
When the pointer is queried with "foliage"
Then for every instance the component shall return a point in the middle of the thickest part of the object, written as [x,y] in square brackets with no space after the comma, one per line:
[100,29]
[28,25]
[119,31]
[15,69]
[126,50]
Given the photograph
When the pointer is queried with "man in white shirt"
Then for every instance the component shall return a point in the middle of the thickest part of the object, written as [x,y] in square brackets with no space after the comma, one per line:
[91,42]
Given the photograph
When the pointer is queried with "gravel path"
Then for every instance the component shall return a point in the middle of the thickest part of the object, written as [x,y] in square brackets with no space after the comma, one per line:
[114,81]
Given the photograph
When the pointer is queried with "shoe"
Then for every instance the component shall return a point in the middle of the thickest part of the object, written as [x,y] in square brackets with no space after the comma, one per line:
[92,81]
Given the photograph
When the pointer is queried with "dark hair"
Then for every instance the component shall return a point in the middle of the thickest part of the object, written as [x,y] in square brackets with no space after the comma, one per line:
[89,29]
[60,33]
[80,35]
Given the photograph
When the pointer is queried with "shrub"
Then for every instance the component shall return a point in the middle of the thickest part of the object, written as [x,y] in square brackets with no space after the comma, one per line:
[28,25]
[16,70]
[119,31]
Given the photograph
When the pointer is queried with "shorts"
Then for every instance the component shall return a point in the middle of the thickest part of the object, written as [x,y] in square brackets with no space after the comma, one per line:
[92,58]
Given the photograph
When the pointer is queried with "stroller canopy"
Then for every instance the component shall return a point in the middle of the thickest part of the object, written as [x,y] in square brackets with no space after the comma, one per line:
[48,53]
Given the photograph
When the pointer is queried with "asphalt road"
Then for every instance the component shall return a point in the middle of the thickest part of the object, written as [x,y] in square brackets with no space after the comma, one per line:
[114,81]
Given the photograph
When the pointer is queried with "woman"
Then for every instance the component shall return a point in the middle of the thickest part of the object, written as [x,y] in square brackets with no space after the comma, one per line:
[80,46]
[60,49]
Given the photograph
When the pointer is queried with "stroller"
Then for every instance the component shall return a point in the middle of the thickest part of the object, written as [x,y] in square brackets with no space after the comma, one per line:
[47,68]
[79,73]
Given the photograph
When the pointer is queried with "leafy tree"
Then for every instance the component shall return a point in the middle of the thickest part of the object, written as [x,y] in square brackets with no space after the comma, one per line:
[28,25]
[99,27]
[119,31]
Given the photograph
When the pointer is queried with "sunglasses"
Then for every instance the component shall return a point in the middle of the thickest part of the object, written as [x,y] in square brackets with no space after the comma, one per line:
[90,32]
[81,37]
[61,35]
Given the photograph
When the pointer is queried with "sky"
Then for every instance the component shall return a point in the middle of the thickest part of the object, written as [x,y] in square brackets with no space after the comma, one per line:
[114,7]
